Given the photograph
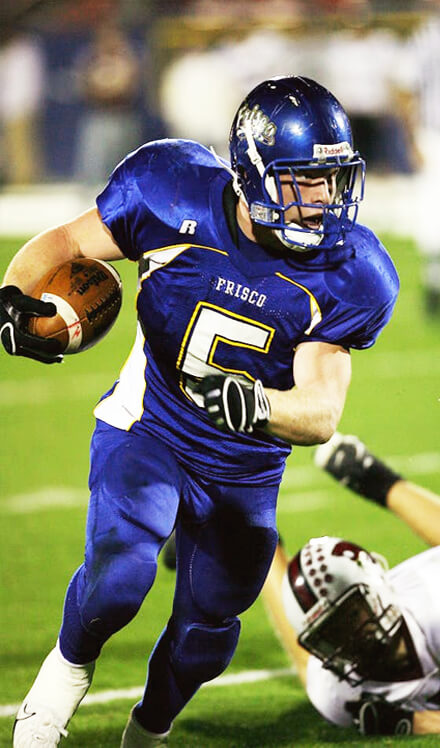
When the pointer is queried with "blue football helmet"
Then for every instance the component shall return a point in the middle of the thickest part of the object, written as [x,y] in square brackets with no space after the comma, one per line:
[294,126]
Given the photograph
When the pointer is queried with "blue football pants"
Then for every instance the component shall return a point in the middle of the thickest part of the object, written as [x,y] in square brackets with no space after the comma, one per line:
[225,540]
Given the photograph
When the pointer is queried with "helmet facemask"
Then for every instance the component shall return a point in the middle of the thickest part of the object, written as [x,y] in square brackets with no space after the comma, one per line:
[345,612]
[354,634]
[337,217]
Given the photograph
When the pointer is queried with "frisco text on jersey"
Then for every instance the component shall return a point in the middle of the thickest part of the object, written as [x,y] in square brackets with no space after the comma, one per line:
[230,288]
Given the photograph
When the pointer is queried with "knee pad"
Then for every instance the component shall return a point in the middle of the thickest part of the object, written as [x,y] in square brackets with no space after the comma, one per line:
[203,651]
[230,563]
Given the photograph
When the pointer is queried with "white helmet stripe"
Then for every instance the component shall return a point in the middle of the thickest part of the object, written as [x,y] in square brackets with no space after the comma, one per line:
[257,161]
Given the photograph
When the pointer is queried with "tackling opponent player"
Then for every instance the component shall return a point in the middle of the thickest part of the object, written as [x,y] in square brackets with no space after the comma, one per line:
[254,282]
[368,647]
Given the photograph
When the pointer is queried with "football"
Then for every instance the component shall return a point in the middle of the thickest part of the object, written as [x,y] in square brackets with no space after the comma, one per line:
[87,294]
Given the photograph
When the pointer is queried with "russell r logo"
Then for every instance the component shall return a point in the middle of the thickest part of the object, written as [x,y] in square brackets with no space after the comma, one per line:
[188,227]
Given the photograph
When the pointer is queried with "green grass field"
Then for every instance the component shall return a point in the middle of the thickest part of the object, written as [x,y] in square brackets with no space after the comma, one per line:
[46,422]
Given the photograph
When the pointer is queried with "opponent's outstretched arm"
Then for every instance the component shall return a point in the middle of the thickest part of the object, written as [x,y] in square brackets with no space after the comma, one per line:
[349,461]
[273,602]
[418,507]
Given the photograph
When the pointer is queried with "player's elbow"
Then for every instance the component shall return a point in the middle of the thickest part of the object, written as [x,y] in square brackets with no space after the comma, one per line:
[321,436]
[328,428]
[317,431]
[325,425]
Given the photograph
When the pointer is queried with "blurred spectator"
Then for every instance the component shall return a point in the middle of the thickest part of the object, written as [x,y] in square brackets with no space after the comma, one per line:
[362,67]
[424,49]
[201,90]
[366,70]
[109,79]
[353,7]
[246,9]
[22,82]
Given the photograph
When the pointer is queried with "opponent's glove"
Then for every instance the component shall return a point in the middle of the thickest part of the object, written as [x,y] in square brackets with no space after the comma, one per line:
[15,310]
[373,716]
[348,460]
[234,406]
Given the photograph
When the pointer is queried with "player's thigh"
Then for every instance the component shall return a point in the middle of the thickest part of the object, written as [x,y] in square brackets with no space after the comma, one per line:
[135,485]
[224,560]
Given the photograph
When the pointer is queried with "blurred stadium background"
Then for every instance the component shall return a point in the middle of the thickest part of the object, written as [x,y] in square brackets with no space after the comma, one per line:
[180,69]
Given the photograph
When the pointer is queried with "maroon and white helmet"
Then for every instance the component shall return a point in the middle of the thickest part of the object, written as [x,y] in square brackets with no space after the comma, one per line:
[342,608]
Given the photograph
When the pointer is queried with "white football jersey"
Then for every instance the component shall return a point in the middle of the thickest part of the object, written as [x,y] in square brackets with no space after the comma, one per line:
[415,582]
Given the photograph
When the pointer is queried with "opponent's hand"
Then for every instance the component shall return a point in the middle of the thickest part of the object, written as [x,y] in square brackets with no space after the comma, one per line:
[348,460]
[232,405]
[373,716]
[15,310]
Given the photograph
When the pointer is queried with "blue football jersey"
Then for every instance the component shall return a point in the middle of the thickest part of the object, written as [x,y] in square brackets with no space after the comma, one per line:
[211,303]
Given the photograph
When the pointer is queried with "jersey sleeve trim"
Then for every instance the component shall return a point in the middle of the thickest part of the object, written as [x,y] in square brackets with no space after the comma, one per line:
[315,310]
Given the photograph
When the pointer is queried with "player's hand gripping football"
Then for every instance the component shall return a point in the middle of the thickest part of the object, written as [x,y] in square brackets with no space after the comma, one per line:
[15,310]
[373,716]
[234,406]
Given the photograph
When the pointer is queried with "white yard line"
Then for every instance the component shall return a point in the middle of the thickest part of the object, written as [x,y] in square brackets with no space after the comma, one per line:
[303,488]
[427,463]
[233,679]
[303,501]
[42,390]
[44,498]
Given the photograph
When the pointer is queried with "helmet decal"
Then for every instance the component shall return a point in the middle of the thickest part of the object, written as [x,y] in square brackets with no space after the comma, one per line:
[261,127]
[350,550]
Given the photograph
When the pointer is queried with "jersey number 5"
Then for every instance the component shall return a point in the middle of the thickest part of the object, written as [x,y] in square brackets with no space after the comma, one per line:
[209,326]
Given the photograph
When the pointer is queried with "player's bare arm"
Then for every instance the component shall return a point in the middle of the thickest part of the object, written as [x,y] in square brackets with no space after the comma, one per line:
[273,602]
[307,414]
[426,723]
[418,507]
[310,412]
[84,236]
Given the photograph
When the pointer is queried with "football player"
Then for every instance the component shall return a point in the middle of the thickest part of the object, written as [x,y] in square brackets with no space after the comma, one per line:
[255,281]
[365,640]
